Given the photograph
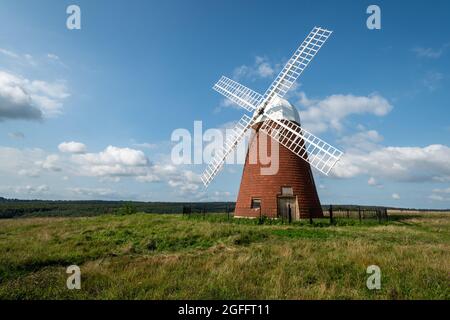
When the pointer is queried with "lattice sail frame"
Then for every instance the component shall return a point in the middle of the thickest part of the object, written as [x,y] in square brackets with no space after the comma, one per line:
[304,144]
[301,142]
[239,94]
[237,134]
[297,63]
[322,155]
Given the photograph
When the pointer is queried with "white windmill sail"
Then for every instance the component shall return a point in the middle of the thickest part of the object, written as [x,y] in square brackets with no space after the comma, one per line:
[320,154]
[231,142]
[304,144]
[239,94]
[297,63]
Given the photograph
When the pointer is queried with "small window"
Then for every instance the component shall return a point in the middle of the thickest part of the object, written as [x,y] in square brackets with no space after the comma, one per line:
[287,191]
[256,203]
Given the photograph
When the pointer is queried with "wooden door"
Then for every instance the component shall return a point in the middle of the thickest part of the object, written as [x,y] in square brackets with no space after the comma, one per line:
[283,208]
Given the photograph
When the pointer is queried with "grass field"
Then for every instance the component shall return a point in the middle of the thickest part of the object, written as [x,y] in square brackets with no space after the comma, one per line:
[151,256]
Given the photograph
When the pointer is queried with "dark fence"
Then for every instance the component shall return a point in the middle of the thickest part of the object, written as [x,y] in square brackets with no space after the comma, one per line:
[330,212]
[203,210]
[11,208]
[359,213]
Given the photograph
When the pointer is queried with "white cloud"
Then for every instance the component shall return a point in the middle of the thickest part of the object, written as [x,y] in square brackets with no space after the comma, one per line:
[51,163]
[446,190]
[395,196]
[113,161]
[227,103]
[31,190]
[183,187]
[321,115]
[438,197]
[440,194]
[111,164]
[52,56]
[432,80]
[213,196]
[22,59]
[115,155]
[94,192]
[148,177]
[19,164]
[184,181]
[9,53]
[72,147]
[14,160]
[363,140]
[413,164]
[222,193]
[56,90]
[16,135]
[430,53]
[15,101]
[145,145]
[30,59]
[260,69]
[116,162]
[33,173]
[264,68]
[374,183]
[21,98]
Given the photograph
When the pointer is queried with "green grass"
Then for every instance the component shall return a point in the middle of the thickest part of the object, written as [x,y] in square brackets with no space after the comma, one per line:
[151,256]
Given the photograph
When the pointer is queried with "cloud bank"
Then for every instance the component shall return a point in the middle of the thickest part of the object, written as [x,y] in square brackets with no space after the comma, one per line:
[21,98]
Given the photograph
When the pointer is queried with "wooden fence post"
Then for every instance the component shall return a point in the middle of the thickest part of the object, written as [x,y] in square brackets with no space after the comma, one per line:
[310,216]
[331,214]
[289,213]
[260,215]
[359,213]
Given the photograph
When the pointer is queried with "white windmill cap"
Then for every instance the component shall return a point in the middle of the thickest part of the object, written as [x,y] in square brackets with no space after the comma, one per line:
[281,109]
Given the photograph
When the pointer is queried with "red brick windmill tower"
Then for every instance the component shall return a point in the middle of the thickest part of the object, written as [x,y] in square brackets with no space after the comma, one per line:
[291,187]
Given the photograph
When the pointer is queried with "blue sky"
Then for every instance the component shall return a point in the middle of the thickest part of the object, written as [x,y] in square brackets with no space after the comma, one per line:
[136,71]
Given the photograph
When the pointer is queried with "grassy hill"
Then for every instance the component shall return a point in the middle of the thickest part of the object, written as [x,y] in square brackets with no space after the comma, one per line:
[156,256]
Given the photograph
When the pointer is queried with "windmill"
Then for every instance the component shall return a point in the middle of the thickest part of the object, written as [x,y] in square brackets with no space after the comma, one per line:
[292,189]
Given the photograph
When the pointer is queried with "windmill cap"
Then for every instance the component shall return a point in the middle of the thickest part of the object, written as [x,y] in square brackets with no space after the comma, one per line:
[281,109]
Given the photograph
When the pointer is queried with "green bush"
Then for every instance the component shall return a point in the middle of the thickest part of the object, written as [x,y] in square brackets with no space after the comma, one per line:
[127,209]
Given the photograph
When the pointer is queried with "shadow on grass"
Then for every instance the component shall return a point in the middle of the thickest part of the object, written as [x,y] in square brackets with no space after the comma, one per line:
[13,271]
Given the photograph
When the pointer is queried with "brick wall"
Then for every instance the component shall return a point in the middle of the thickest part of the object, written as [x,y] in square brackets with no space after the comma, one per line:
[293,172]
